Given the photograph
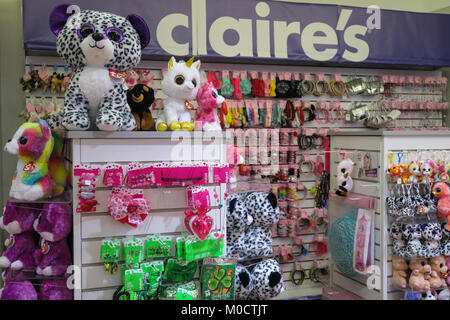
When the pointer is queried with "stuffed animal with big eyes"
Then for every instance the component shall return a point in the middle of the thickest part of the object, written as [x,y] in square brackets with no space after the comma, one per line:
[412,233]
[208,101]
[432,235]
[180,84]
[414,171]
[100,46]
[396,232]
[344,179]
[425,171]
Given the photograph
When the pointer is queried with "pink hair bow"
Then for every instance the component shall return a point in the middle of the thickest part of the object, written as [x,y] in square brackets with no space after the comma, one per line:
[128,206]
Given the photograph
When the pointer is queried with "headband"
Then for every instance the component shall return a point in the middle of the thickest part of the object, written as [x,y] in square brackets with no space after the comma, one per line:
[298,269]
[304,222]
[322,108]
[309,113]
[306,87]
[305,142]
[337,91]
[321,83]
[304,191]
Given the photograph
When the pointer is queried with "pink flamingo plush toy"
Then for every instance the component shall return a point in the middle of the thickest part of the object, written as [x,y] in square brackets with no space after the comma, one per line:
[442,191]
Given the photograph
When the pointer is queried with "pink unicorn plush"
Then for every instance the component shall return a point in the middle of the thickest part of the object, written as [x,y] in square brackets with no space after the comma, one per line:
[208,101]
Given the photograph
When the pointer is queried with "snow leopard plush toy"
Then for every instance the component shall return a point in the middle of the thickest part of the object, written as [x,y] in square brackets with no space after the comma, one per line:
[100,47]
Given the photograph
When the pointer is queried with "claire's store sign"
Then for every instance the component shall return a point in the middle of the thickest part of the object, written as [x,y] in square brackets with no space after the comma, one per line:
[253,29]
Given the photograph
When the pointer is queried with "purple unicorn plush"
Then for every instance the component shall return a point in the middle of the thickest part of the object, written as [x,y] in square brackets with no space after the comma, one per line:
[19,252]
[16,286]
[18,290]
[55,289]
[52,258]
[19,217]
[55,221]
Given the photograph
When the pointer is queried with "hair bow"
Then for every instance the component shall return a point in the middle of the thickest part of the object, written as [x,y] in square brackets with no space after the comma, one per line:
[128,207]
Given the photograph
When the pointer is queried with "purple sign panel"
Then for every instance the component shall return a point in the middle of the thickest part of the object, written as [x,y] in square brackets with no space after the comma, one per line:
[253,29]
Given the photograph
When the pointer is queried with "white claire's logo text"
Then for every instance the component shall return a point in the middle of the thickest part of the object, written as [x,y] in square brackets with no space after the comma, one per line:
[317,40]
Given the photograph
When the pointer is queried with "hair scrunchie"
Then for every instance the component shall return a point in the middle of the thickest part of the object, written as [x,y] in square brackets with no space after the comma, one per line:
[245,86]
[227,89]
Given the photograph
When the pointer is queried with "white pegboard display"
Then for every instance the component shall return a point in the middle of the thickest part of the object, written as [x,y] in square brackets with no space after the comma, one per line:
[379,144]
[166,216]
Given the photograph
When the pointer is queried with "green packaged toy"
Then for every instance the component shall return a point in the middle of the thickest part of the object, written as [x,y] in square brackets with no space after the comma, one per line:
[157,246]
[110,255]
[190,248]
[218,279]
[133,250]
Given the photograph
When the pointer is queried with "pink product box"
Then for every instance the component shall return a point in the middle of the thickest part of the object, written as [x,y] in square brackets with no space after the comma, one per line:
[198,197]
[183,176]
[143,177]
[79,171]
[221,174]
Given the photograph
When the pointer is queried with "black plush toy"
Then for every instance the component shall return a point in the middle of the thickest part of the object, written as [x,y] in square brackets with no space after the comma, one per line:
[140,99]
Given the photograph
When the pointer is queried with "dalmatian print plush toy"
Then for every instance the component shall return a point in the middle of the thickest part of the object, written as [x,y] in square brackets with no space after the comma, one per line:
[396,232]
[262,281]
[250,217]
[445,241]
[412,233]
[100,47]
[432,236]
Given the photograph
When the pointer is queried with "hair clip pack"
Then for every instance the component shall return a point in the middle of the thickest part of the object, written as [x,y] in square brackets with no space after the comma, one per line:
[86,187]
[113,175]
[140,175]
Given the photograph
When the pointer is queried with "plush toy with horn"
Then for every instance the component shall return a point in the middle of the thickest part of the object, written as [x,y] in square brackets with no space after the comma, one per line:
[180,84]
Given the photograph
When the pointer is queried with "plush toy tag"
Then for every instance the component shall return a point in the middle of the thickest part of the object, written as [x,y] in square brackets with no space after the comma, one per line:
[188,105]
[45,246]
[117,75]
[30,167]
[10,241]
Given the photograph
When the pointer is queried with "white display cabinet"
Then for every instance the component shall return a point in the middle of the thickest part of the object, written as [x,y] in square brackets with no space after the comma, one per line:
[378,144]
[167,203]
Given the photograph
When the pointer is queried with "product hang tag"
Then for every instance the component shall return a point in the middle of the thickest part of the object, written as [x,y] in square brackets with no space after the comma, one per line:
[117,75]
[188,105]
[30,167]
[10,241]
[45,246]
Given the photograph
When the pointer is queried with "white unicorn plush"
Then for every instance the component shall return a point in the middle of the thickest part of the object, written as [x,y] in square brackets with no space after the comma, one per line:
[180,84]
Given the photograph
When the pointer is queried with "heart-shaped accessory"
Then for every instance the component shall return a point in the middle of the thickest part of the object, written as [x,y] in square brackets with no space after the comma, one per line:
[198,222]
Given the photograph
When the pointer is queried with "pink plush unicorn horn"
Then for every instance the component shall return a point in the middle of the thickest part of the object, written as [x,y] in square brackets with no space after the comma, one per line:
[208,101]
